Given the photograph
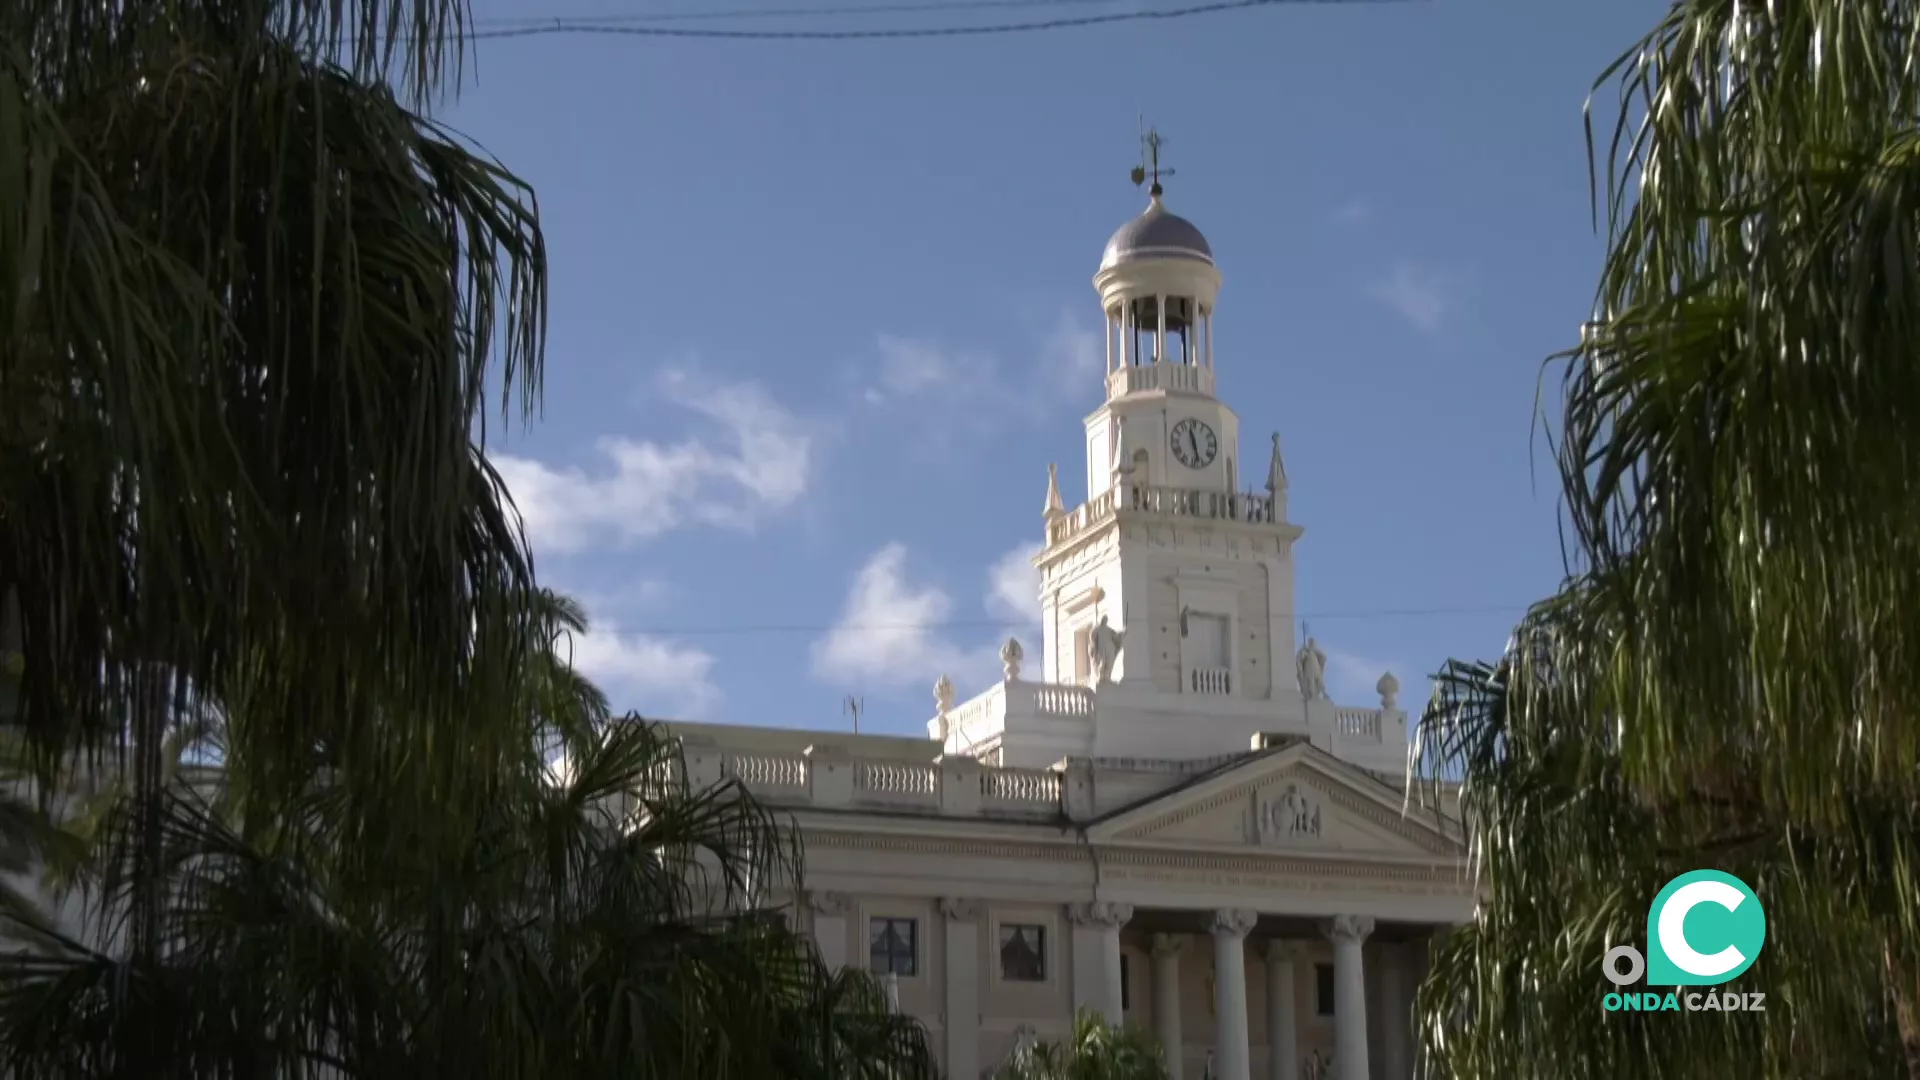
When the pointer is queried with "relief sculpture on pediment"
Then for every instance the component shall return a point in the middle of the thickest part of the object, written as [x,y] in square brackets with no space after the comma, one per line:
[1288,815]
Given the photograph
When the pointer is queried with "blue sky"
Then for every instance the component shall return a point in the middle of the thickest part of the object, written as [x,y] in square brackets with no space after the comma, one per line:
[822,314]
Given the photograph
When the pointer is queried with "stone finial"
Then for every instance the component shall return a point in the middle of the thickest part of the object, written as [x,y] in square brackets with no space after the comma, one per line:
[1055,506]
[942,705]
[1010,656]
[1389,688]
[1276,470]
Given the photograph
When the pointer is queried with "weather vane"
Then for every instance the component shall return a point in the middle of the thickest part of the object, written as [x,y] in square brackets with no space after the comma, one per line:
[1150,144]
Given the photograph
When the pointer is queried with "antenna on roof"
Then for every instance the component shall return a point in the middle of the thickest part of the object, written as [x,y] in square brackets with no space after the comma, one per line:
[853,707]
[1149,167]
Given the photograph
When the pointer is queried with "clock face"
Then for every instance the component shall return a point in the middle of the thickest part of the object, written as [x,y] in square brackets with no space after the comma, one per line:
[1194,444]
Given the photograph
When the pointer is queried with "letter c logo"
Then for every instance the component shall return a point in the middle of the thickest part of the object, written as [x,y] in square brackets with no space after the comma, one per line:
[1724,913]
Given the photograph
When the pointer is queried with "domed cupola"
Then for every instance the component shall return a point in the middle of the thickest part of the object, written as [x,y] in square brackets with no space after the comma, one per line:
[1157,234]
[1157,284]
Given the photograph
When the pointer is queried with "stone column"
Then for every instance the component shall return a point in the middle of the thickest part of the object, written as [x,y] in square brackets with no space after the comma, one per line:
[1096,957]
[830,911]
[1160,332]
[1166,1000]
[1396,1022]
[1230,928]
[963,986]
[1348,933]
[1283,1009]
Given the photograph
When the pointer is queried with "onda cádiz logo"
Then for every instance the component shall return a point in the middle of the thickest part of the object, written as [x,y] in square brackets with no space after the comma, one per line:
[1703,929]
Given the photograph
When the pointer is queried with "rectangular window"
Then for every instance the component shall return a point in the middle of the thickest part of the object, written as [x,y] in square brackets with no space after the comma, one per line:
[1126,985]
[1082,637]
[893,946]
[1323,989]
[1209,641]
[1023,952]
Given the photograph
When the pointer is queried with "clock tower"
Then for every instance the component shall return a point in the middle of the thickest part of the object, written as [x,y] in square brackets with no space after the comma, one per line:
[1169,591]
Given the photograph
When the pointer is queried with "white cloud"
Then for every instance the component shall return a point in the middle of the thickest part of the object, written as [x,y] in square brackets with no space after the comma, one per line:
[1013,587]
[1421,295]
[759,460]
[890,632]
[1070,355]
[655,677]
[1064,362]
[910,366]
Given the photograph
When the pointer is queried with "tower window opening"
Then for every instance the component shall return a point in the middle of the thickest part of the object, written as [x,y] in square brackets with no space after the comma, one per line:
[1142,321]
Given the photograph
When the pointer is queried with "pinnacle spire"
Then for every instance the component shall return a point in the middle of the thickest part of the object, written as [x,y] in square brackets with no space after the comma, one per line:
[1055,507]
[1276,470]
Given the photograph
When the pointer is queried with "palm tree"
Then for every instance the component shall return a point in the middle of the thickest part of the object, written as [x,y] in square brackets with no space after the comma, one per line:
[1097,1051]
[1726,680]
[596,918]
[254,300]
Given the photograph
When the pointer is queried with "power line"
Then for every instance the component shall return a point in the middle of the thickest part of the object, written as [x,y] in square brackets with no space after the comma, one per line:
[1001,624]
[605,26]
[935,7]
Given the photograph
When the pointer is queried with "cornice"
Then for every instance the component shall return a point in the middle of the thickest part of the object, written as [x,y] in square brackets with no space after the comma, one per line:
[1303,871]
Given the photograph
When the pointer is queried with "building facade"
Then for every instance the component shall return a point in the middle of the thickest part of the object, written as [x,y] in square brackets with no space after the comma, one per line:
[1162,816]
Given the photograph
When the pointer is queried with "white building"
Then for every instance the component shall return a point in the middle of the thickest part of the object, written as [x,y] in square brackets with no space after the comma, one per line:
[1161,816]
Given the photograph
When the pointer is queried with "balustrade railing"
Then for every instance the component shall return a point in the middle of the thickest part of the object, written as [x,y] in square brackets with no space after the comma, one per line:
[1020,786]
[768,771]
[960,786]
[886,778]
[1358,724]
[1245,507]
[1211,681]
[987,706]
[1051,699]
[985,717]
[1180,378]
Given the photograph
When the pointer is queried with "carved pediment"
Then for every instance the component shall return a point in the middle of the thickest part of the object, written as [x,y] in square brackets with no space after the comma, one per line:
[1299,801]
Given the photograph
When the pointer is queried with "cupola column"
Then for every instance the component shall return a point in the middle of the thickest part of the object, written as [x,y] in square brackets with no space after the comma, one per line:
[1160,332]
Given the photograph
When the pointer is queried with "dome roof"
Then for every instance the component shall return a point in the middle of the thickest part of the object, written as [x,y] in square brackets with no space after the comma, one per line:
[1157,234]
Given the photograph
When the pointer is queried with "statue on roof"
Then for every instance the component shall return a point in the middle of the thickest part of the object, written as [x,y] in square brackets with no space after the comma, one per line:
[1312,664]
[1103,651]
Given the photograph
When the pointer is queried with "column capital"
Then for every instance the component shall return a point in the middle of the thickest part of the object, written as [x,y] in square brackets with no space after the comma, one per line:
[1232,922]
[960,909]
[1104,913]
[1347,929]
[829,903]
[1286,950]
[1167,946]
